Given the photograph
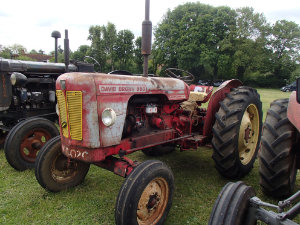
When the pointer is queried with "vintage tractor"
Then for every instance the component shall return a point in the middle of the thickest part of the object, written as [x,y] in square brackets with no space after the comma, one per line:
[27,106]
[105,117]
[279,153]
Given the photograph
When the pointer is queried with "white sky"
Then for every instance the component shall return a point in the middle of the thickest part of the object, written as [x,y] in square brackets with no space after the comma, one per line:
[31,22]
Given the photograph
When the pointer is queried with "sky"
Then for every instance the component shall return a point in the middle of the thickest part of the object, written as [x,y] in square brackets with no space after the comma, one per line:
[31,22]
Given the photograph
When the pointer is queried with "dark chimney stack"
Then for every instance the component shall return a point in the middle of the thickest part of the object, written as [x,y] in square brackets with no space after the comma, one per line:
[55,34]
[146,37]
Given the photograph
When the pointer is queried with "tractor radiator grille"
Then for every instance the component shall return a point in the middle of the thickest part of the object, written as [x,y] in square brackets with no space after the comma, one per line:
[61,102]
[74,103]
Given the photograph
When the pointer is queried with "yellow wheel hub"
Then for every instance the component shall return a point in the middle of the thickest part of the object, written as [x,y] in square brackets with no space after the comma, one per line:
[248,135]
[153,202]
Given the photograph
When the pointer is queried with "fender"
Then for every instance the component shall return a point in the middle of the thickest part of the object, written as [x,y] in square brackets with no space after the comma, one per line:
[293,111]
[213,105]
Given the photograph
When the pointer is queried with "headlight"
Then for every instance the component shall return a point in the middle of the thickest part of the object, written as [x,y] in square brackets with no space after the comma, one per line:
[18,79]
[108,117]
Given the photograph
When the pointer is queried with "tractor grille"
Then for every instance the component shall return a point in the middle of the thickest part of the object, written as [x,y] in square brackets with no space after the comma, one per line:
[61,102]
[74,101]
[70,112]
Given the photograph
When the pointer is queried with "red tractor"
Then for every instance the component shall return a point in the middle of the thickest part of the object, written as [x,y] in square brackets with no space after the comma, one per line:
[105,117]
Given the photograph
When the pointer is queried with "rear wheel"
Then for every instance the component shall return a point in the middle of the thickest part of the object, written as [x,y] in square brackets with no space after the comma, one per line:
[277,158]
[232,205]
[159,150]
[54,171]
[146,195]
[236,132]
[25,140]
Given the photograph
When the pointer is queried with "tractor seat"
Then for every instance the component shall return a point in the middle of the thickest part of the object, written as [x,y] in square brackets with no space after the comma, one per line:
[197,96]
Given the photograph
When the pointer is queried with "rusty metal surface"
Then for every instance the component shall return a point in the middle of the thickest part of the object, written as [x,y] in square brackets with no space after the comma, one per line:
[293,111]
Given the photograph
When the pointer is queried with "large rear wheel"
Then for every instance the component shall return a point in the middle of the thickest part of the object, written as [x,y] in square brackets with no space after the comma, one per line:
[25,140]
[277,158]
[236,132]
[54,171]
[146,195]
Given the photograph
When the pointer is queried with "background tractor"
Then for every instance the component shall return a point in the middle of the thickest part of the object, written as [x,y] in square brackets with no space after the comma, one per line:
[105,117]
[28,106]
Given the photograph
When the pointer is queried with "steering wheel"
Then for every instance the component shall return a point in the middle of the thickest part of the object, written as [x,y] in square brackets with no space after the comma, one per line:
[183,75]
[89,57]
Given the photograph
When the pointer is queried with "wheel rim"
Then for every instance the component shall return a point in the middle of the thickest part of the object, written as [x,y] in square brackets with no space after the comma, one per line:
[63,169]
[32,142]
[153,201]
[248,135]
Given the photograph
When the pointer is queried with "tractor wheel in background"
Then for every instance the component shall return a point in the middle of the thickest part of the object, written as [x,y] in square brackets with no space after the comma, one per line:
[25,140]
[277,157]
[54,171]
[232,205]
[236,132]
[159,150]
[146,195]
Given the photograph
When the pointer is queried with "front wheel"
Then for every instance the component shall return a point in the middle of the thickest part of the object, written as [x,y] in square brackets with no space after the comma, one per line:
[236,132]
[232,204]
[146,195]
[54,171]
[25,140]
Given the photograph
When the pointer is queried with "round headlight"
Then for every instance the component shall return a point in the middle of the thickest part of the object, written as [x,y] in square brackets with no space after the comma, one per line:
[108,117]
[18,79]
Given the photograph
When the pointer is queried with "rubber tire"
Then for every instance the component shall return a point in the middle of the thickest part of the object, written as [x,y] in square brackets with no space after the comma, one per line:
[277,158]
[226,132]
[15,136]
[133,187]
[159,150]
[232,204]
[43,164]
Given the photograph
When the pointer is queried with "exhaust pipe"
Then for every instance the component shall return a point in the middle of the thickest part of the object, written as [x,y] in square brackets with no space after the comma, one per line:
[66,51]
[146,37]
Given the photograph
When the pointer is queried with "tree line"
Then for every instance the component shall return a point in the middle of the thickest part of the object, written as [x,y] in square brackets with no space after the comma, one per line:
[210,42]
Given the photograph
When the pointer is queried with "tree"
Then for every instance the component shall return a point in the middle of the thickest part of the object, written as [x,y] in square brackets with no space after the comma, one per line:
[97,49]
[285,45]
[138,57]
[124,48]
[190,37]
[110,39]
[80,53]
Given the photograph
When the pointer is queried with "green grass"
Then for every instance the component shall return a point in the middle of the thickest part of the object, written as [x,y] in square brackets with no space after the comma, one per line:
[24,201]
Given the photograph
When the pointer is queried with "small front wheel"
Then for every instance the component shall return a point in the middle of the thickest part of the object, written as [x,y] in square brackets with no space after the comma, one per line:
[232,204]
[54,171]
[146,195]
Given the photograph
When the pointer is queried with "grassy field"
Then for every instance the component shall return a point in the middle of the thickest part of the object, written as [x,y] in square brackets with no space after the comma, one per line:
[24,201]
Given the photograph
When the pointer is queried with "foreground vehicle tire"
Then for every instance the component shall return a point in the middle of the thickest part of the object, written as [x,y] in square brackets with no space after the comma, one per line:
[232,205]
[159,150]
[236,132]
[146,195]
[25,140]
[54,171]
[277,158]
